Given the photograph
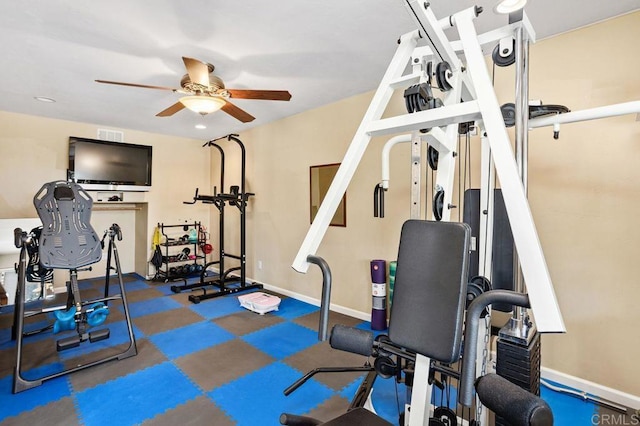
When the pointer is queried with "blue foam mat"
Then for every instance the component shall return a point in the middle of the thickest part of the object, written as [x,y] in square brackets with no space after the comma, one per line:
[191,338]
[282,340]
[258,399]
[136,397]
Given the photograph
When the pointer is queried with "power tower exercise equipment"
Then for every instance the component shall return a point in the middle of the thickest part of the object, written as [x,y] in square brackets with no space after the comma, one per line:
[225,281]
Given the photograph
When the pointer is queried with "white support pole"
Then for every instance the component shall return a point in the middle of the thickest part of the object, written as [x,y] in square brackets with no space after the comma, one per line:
[541,293]
[415,200]
[421,393]
[415,208]
[485,252]
[522,157]
[354,153]
[487,208]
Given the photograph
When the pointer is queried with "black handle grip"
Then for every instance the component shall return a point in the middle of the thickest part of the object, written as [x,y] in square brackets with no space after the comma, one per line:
[17,237]
[378,201]
[295,420]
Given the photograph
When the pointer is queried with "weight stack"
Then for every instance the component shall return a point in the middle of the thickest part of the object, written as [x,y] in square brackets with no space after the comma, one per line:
[520,365]
[379,293]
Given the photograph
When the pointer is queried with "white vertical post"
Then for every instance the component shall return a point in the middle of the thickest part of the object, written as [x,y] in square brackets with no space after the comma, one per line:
[416,176]
[421,393]
[487,207]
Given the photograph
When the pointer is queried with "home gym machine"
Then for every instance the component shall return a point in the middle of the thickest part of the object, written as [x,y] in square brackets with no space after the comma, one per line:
[469,97]
[459,70]
[431,279]
[225,281]
[67,241]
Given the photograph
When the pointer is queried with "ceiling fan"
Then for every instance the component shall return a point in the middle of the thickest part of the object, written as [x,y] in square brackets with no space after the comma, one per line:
[205,92]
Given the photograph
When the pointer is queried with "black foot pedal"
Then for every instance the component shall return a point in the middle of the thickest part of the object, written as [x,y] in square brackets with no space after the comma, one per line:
[96,336]
[68,343]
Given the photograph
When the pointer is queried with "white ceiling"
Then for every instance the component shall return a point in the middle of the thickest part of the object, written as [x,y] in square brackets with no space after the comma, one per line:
[319,50]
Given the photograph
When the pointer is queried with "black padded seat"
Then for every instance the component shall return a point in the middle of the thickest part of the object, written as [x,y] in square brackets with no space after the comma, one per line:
[429,297]
[430,288]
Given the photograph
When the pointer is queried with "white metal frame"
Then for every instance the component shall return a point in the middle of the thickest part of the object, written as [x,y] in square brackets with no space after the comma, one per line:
[484,108]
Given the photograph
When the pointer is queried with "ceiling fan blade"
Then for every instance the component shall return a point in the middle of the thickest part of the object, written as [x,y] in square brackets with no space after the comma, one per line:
[145,86]
[198,71]
[266,95]
[237,113]
[171,110]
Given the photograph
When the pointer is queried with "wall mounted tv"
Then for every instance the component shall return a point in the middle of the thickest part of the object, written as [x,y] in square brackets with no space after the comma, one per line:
[104,165]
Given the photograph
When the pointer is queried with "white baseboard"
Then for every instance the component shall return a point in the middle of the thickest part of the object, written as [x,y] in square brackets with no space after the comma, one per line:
[596,389]
[316,302]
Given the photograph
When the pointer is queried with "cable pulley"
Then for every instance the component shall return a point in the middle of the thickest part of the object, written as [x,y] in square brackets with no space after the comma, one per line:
[503,56]
[417,97]
[438,204]
[432,157]
[443,73]
[509,114]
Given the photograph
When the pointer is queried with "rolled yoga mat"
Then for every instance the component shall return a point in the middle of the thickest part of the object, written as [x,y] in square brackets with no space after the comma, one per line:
[379,293]
[392,280]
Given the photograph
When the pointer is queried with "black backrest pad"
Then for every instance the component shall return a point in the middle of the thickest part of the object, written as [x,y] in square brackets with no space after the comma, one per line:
[430,288]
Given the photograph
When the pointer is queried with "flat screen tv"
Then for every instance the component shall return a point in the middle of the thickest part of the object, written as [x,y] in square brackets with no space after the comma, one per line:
[104,165]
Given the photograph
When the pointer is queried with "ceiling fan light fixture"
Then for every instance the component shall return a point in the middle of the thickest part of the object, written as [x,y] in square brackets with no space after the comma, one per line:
[202,104]
[506,7]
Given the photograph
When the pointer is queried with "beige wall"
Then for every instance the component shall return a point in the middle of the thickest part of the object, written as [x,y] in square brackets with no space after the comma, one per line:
[583,192]
[34,150]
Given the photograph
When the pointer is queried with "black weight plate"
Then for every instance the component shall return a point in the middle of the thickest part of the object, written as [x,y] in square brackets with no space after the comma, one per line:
[446,416]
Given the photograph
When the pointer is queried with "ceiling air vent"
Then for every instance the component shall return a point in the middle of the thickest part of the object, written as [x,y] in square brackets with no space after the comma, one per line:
[110,135]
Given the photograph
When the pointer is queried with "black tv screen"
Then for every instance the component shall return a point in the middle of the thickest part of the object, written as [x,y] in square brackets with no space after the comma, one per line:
[94,161]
